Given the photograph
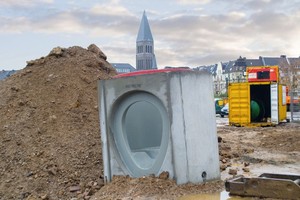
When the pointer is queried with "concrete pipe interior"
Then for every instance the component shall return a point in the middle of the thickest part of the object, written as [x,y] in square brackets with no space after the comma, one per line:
[140,127]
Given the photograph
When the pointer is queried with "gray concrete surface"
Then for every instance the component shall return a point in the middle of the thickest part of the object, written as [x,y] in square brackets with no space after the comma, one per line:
[188,150]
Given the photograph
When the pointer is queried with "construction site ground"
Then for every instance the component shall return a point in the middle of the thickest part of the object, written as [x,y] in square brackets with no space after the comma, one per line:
[50,145]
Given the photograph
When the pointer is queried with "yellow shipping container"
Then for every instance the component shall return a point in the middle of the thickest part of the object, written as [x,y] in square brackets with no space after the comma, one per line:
[256,103]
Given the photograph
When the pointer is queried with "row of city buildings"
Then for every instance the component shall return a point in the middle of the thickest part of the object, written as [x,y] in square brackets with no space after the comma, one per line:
[235,71]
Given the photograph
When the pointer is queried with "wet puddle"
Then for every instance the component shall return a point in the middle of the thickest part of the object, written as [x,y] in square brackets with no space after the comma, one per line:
[214,196]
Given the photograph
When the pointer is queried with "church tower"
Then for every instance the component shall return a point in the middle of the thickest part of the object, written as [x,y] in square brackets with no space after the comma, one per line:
[145,58]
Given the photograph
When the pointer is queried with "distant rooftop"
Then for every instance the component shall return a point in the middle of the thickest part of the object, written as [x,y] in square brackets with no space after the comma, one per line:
[253,62]
[123,67]
[6,73]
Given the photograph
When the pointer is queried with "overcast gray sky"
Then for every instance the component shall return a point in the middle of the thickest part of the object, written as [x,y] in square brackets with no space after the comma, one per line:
[186,32]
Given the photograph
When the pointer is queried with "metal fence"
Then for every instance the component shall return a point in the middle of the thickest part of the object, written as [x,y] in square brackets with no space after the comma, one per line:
[293,113]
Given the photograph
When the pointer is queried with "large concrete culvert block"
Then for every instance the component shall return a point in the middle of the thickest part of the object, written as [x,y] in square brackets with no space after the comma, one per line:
[157,121]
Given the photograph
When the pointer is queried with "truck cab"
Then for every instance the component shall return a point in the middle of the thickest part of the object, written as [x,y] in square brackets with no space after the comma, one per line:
[219,104]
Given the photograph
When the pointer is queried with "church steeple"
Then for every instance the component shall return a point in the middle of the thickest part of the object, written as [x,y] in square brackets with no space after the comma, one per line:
[144,30]
[145,58]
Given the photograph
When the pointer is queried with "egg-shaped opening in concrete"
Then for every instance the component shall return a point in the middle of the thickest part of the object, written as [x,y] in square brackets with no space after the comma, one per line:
[141,131]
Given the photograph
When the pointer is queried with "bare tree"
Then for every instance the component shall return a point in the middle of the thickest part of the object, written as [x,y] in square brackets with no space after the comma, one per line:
[290,76]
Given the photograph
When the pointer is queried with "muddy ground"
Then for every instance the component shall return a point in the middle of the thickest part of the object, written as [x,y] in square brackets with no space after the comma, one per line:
[50,145]
[265,149]
[244,151]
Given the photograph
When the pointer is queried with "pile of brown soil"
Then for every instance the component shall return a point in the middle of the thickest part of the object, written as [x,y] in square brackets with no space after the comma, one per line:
[124,187]
[49,129]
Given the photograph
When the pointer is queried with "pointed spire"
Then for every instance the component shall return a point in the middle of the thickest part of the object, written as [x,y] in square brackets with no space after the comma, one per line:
[144,30]
[145,57]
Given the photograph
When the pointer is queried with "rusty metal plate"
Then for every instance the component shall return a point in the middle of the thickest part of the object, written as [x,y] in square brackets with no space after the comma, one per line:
[266,185]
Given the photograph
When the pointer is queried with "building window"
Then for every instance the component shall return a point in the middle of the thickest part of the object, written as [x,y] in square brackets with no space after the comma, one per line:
[140,49]
[148,49]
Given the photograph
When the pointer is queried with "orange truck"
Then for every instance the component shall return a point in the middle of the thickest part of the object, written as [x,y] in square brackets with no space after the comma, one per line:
[296,100]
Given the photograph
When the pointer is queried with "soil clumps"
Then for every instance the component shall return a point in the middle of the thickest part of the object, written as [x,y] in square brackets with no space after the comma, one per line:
[49,128]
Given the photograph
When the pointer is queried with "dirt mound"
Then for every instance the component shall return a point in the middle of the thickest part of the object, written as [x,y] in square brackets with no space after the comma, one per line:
[124,187]
[49,129]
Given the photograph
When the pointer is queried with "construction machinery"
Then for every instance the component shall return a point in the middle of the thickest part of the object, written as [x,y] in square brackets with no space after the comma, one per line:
[261,101]
[219,104]
[296,100]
